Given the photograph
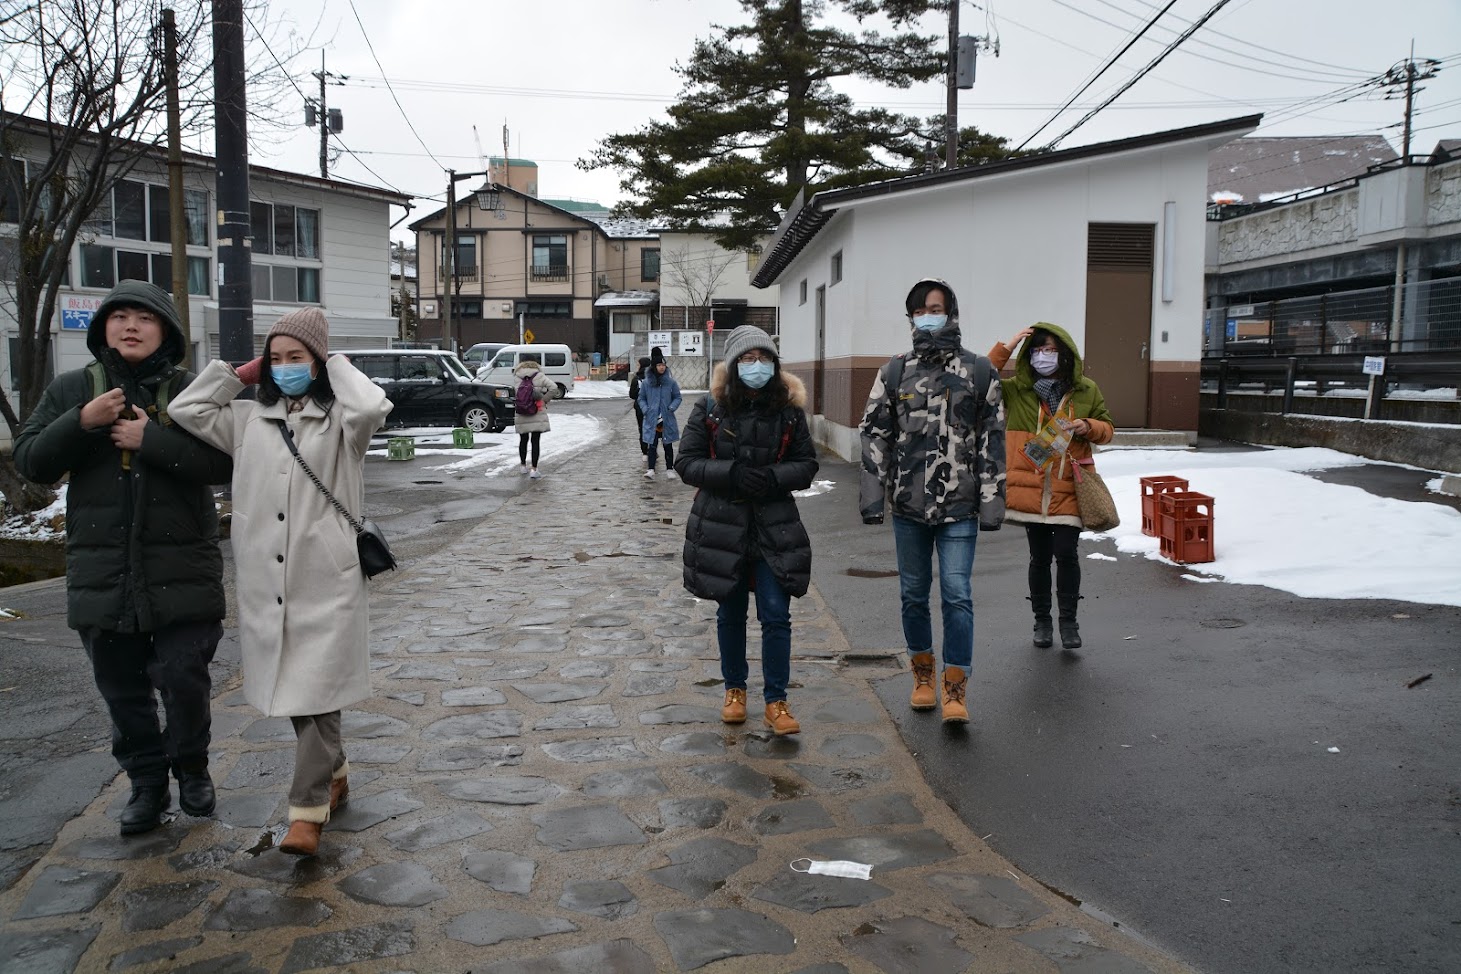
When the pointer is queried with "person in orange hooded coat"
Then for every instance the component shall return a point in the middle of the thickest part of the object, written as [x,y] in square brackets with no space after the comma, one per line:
[1049,380]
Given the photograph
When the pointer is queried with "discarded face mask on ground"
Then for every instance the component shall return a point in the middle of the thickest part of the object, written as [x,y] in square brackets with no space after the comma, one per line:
[836,867]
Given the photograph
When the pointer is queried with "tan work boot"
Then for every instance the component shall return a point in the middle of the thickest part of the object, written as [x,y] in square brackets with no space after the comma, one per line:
[780,720]
[339,792]
[923,697]
[956,681]
[733,711]
[303,838]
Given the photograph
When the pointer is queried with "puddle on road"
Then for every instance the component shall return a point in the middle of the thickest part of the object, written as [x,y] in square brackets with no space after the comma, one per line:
[869,573]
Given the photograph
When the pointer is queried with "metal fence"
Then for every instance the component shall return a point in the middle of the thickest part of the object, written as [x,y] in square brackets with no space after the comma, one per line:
[1341,323]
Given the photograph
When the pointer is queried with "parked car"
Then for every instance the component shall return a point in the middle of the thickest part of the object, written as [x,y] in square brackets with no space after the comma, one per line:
[480,354]
[430,387]
[556,361]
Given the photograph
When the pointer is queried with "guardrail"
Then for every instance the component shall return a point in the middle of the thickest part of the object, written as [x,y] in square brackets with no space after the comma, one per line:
[1442,369]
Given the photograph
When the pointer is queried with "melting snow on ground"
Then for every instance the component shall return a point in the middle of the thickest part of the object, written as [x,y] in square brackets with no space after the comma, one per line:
[47,524]
[1274,526]
[496,453]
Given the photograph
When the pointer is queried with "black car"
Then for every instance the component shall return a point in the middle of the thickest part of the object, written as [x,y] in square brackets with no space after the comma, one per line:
[430,387]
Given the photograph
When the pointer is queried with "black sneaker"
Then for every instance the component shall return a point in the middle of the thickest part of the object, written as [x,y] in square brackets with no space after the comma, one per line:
[144,811]
[195,793]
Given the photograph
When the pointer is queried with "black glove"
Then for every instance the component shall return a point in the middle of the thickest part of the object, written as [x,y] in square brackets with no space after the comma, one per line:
[755,481]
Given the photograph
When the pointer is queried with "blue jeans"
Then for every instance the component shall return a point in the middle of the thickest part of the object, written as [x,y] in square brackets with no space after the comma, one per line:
[773,611]
[915,543]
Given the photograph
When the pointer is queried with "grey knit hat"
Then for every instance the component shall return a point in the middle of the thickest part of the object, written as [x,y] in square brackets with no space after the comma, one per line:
[745,338]
[308,326]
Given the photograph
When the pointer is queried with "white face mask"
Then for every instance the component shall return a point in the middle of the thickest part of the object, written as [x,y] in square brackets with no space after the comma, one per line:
[1044,361]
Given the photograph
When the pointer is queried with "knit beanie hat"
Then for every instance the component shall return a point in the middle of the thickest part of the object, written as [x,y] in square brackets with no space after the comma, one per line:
[656,356]
[745,338]
[307,326]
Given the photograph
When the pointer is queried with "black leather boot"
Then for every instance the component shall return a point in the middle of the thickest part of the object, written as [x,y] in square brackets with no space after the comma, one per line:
[1070,630]
[1040,603]
[195,791]
[144,811]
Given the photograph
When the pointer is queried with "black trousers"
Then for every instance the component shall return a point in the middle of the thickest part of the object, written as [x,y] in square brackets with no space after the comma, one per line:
[132,670]
[1060,541]
[649,451]
[522,446]
[638,430]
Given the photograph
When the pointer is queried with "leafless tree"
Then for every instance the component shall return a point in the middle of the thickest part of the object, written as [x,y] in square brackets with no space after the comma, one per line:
[82,102]
[696,270]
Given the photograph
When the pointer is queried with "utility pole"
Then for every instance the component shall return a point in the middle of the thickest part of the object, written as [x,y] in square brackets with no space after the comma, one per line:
[951,110]
[177,218]
[328,119]
[449,258]
[231,152]
[1406,75]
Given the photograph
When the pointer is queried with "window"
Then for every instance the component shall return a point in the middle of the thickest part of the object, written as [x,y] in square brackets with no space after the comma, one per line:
[9,258]
[837,267]
[285,231]
[551,359]
[419,368]
[286,284]
[199,276]
[466,257]
[544,309]
[129,210]
[309,284]
[753,260]
[195,212]
[159,215]
[261,224]
[307,233]
[550,257]
[97,268]
[12,175]
[649,264]
[467,307]
[802,292]
[375,367]
[631,323]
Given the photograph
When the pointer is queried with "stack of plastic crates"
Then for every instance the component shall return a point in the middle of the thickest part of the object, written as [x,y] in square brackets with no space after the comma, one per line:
[1184,520]
[1151,489]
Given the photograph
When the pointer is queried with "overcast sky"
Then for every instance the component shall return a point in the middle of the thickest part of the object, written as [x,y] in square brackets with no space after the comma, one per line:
[563,74]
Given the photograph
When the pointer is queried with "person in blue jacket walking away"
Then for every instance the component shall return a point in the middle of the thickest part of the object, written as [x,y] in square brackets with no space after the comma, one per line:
[659,397]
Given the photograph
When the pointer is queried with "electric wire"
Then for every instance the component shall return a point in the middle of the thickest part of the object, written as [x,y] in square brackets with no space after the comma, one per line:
[1110,62]
[399,106]
[1196,25]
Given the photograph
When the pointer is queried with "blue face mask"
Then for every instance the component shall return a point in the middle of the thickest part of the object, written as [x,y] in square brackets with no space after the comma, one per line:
[930,322]
[755,374]
[292,380]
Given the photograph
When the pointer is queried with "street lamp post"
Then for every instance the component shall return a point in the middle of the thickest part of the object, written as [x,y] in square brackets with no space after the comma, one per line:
[488,198]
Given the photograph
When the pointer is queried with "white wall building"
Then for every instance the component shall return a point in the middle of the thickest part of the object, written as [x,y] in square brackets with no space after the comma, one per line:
[1106,240]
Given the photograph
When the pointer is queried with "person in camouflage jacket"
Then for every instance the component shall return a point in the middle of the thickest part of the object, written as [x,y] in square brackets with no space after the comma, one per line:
[933,440]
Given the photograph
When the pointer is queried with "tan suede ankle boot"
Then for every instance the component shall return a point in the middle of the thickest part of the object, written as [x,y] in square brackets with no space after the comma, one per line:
[923,697]
[956,681]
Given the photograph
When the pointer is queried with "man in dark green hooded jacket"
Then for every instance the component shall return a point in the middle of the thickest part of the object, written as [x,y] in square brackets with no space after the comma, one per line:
[144,576]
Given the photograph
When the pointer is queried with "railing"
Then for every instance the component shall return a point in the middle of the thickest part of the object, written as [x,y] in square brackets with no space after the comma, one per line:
[1340,323]
[1228,211]
[462,273]
[1321,374]
[550,272]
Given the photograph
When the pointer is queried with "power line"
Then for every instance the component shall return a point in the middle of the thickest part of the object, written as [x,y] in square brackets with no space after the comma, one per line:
[399,107]
[1111,61]
[1196,25]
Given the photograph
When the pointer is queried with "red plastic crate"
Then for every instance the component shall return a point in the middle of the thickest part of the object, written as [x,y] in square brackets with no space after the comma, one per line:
[1186,522]
[1151,489]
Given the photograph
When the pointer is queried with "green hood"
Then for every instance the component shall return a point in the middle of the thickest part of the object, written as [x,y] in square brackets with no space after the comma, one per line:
[1022,364]
[139,294]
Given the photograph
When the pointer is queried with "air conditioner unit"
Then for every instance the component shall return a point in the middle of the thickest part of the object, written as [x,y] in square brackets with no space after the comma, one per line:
[507,307]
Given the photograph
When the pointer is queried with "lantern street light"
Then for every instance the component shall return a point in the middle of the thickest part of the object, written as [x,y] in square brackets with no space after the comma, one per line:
[489,198]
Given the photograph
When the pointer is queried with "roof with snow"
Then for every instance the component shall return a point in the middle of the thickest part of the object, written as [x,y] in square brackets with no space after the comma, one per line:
[1250,170]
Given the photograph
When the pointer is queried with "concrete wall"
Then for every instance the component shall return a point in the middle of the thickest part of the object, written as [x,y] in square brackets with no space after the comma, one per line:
[1430,447]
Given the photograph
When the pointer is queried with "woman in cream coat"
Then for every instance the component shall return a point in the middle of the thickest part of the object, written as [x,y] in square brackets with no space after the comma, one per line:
[303,617]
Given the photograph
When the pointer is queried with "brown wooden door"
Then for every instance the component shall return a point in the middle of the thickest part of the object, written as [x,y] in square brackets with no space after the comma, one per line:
[1119,316]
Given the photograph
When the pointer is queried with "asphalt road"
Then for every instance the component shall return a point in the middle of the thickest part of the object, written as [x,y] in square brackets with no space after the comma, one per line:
[1176,775]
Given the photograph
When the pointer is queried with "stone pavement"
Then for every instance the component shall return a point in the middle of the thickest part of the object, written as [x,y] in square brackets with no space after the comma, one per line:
[541,783]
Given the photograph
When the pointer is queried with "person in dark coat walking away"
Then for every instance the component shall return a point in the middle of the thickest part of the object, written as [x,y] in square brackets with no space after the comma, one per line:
[659,397]
[747,446]
[1050,380]
[634,382]
[933,440]
[144,576]
[303,614]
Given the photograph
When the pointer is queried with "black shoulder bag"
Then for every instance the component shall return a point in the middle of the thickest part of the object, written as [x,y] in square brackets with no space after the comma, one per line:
[370,544]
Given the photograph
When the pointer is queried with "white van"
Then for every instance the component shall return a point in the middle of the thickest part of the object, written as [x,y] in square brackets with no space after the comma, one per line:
[556,361]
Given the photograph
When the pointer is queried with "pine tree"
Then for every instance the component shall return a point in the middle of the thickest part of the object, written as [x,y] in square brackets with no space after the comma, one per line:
[759,118]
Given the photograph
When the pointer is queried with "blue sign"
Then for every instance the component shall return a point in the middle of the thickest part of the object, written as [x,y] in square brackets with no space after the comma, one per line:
[73,319]
[1232,329]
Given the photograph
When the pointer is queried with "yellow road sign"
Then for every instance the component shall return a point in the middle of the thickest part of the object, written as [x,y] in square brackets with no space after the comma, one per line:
[528,336]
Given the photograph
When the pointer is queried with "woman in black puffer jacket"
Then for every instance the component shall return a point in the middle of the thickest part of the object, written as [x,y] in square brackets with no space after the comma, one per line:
[747,447]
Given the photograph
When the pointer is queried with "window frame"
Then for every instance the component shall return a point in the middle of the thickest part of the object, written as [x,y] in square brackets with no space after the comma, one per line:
[644,255]
[802,292]
[836,270]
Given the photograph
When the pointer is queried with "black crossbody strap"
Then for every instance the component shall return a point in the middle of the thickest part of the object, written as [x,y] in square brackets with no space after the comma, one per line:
[289,442]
